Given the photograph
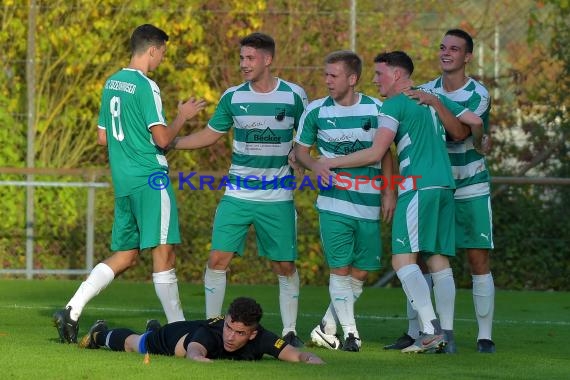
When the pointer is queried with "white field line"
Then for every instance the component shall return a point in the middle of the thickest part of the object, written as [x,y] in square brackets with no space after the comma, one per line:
[302,315]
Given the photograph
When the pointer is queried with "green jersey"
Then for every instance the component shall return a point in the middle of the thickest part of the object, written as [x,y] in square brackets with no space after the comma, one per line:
[340,130]
[130,106]
[469,167]
[263,136]
[420,141]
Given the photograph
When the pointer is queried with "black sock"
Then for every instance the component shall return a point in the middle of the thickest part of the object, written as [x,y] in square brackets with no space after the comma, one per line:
[116,339]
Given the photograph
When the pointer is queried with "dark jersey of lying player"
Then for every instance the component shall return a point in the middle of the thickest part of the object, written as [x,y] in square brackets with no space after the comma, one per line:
[208,333]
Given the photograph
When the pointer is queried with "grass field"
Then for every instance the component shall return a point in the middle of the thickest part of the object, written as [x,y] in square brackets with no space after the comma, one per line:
[532,333]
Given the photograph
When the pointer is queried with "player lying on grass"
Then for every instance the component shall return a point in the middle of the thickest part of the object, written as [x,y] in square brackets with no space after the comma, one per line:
[236,336]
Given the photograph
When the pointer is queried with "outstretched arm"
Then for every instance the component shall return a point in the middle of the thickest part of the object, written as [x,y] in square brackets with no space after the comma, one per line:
[201,139]
[291,354]
[195,351]
[164,135]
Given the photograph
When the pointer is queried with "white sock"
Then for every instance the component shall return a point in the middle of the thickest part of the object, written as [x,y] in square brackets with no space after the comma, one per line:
[215,291]
[330,320]
[166,287]
[484,301]
[414,323]
[98,279]
[444,292]
[340,289]
[357,287]
[289,301]
[417,291]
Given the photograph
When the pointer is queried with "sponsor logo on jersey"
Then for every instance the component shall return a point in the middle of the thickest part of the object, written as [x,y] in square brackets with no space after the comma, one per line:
[262,136]
[279,343]
[347,147]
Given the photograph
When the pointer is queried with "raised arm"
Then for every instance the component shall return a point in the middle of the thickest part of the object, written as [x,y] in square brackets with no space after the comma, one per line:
[195,351]
[292,354]
[164,135]
[201,139]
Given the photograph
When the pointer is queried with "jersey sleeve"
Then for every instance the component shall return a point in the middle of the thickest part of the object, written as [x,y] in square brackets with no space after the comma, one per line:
[307,132]
[270,343]
[151,102]
[300,106]
[390,114]
[223,120]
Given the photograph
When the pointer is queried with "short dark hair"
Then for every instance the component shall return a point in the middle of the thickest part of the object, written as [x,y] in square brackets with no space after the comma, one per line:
[245,310]
[147,35]
[463,35]
[351,60]
[259,41]
[396,59]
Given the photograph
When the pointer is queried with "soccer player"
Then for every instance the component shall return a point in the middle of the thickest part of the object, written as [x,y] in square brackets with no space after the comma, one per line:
[473,215]
[264,110]
[349,213]
[133,127]
[235,336]
[424,216]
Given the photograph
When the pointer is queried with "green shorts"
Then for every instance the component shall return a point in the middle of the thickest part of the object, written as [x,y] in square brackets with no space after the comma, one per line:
[474,223]
[145,219]
[275,226]
[350,242]
[424,222]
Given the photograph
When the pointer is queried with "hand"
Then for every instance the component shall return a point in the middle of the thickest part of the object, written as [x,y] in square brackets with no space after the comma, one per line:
[313,359]
[321,168]
[422,97]
[190,108]
[486,144]
[292,159]
[483,145]
[389,198]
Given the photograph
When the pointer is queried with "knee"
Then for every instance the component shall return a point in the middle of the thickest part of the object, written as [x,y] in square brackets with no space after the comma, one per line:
[219,260]
[284,268]
[479,261]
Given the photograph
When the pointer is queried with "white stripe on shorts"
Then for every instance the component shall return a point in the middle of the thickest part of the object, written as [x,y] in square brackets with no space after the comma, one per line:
[164,215]
[412,216]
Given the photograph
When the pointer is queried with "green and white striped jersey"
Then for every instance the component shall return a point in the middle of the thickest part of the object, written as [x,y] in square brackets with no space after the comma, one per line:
[420,141]
[469,167]
[263,137]
[130,106]
[340,130]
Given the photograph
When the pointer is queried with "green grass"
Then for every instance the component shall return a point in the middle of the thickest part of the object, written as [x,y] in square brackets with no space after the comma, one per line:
[532,333]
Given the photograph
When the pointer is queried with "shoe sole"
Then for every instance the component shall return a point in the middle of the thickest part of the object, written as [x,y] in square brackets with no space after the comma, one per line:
[435,349]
